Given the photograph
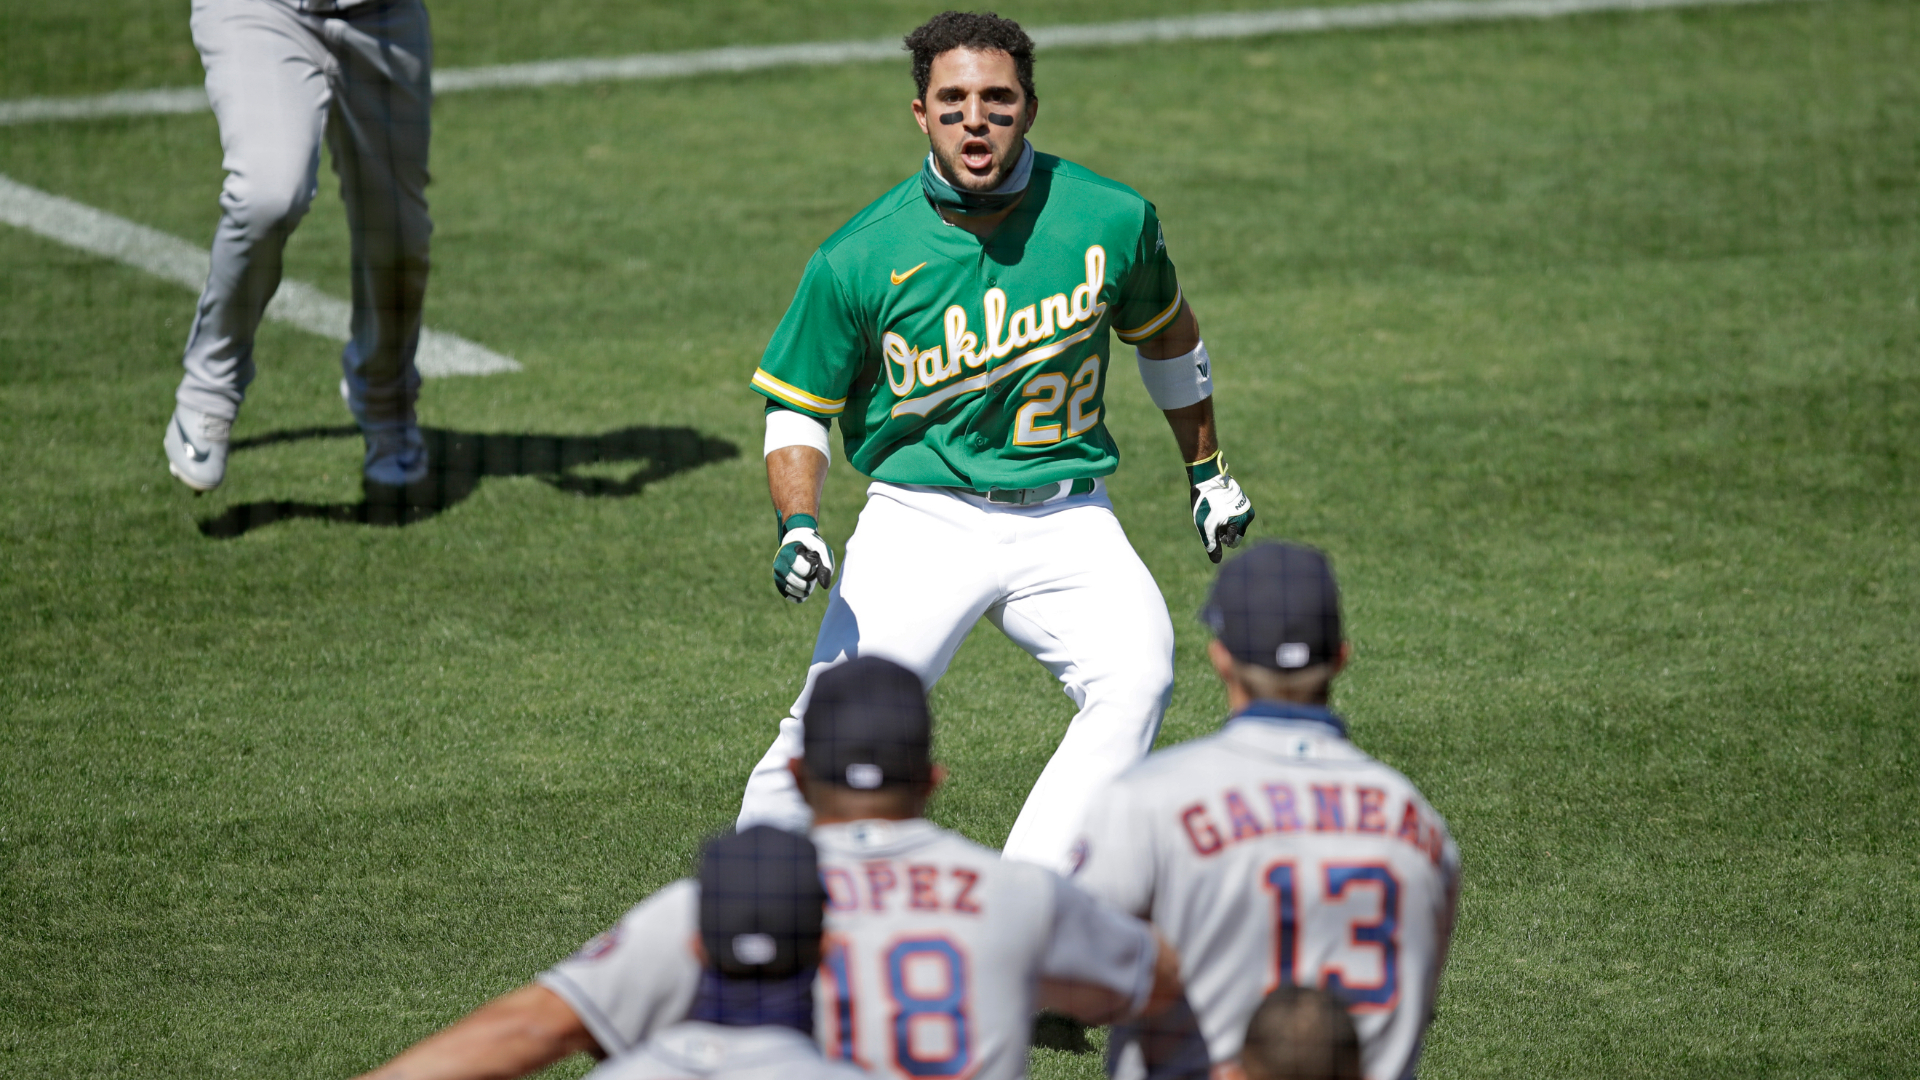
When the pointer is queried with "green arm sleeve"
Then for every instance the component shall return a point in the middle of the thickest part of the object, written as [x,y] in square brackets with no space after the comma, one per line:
[1150,298]
[818,349]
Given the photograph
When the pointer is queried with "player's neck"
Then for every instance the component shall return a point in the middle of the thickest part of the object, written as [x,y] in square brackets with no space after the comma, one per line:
[1239,698]
[848,819]
[845,806]
[980,225]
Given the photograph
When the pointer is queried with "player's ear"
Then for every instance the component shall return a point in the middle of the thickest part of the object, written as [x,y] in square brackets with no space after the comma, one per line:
[798,767]
[920,116]
[1222,661]
[1340,659]
[936,778]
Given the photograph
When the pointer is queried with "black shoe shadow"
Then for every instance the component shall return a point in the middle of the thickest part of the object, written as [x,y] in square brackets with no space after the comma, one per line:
[458,460]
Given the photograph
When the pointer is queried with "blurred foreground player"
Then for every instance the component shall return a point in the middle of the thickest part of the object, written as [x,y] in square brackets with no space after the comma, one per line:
[938,951]
[1276,852]
[942,950]
[960,329]
[761,917]
[1301,1034]
[281,74]
[734,997]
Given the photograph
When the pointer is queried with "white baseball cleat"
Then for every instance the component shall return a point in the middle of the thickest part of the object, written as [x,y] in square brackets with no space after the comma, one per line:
[396,456]
[196,446]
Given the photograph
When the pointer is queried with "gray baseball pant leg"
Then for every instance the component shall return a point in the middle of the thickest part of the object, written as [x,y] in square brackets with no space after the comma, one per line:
[378,136]
[278,82]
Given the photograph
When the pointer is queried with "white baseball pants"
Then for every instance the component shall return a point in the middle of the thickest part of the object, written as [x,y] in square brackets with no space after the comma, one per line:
[1059,579]
[280,80]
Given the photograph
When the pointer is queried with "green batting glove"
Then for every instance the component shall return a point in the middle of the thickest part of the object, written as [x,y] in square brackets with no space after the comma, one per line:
[1221,511]
[805,562]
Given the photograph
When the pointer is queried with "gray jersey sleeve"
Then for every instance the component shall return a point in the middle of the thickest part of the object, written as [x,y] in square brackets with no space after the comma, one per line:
[1116,852]
[638,977]
[1090,942]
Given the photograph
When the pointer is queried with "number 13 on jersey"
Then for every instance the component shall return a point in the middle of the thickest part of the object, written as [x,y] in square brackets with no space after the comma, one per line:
[1357,914]
[925,1012]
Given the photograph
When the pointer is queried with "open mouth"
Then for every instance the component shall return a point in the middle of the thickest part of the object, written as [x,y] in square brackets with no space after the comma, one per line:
[977,155]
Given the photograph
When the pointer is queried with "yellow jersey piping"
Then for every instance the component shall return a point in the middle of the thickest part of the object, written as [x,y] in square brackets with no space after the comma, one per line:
[797,397]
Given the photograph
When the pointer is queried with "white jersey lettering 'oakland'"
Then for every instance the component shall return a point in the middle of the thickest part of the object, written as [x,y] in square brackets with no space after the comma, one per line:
[935,948]
[1277,852]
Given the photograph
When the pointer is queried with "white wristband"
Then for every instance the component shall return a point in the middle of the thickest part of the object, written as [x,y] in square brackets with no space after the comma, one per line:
[1178,381]
[786,427]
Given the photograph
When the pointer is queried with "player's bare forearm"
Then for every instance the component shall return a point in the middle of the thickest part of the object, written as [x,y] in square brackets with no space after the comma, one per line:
[511,1036]
[1193,430]
[1167,986]
[795,475]
[1088,1003]
[1097,1005]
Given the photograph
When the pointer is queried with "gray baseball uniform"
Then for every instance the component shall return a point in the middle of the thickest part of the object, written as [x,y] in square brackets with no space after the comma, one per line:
[692,1050]
[935,946]
[639,976]
[280,75]
[1276,851]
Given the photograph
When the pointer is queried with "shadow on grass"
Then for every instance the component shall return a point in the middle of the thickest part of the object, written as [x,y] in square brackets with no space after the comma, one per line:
[458,460]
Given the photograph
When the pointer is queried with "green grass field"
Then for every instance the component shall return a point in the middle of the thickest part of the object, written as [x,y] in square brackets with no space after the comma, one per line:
[1589,348]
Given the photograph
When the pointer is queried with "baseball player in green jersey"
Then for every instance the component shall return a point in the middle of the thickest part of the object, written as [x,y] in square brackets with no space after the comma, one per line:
[958,330]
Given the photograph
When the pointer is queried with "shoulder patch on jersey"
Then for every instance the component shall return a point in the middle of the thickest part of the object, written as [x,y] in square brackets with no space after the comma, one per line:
[599,945]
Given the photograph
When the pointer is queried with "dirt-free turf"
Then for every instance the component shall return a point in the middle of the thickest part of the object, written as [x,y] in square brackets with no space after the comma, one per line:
[1590,349]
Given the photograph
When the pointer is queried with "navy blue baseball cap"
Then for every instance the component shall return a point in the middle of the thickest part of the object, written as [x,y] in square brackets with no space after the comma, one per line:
[1277,606]
[868,726]
[762,907]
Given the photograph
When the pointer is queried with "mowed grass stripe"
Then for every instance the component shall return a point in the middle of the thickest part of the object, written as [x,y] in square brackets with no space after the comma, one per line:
[170,258]
[736,59]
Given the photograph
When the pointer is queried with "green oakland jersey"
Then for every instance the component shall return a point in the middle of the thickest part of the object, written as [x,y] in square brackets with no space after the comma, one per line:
[957,362]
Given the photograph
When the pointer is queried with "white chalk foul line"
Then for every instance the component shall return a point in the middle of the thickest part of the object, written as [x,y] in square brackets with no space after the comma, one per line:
[296,303]
[826,53]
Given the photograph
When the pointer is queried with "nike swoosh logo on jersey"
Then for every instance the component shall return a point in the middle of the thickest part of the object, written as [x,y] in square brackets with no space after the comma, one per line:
[199,455]
[899,277]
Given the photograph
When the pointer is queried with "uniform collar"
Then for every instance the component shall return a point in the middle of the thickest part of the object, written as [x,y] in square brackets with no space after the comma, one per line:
[876,838]
[755,1003]
[1271,711]
[703,1048]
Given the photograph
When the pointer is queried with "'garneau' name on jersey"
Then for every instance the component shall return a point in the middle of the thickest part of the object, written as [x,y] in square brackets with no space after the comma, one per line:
[909,365]
[1231,817]
[913,887]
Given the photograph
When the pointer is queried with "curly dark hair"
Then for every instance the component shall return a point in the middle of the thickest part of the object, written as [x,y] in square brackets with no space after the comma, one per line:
[978,30]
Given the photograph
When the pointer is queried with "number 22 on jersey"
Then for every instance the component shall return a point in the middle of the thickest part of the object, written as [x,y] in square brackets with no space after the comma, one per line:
[1046,392]
[1363,900]
[925,980]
